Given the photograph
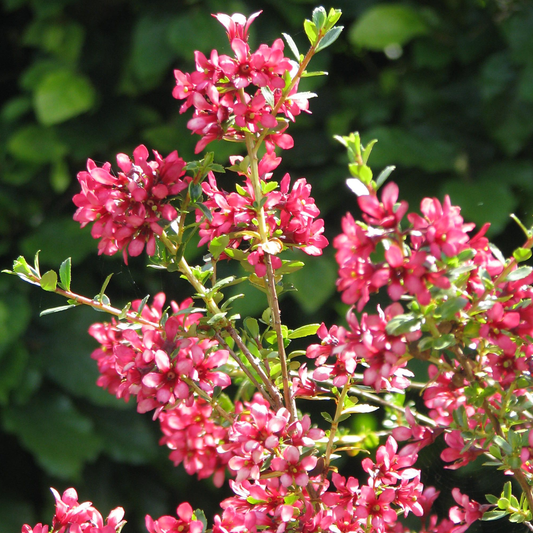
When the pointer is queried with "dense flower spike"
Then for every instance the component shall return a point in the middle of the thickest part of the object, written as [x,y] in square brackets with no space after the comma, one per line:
[125,209]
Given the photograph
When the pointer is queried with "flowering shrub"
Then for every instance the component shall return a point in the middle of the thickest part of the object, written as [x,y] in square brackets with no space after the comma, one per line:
[227,392]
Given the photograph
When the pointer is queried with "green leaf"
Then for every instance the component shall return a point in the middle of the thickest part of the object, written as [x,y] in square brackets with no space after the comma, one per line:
[445,341]
[319,17]
[491,498]
[252,327]
[383,175]
[304,331]
[64,274]
[450,307]
[493,515]
[360,408]
[310,31]
[218,245]
[329,38]
[101,294]
[327,417]
[200,515]
[49,281]
[229,301]
[36,144]
[59,309]
[143,303]
[401,324]
[20,266]
[520,273]
[292,46]
[307,74]
[205,210]
[62,95]
[387,24]
[60,438]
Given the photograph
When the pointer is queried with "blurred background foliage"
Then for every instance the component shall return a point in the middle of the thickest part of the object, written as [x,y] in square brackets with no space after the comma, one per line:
[446,87]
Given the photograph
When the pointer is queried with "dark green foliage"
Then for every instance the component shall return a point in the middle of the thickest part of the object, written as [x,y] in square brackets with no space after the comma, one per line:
[446,88]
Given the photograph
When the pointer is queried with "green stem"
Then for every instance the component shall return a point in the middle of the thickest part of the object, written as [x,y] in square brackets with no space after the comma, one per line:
[222,412]
[249,375]
[132,316]
[335,425]
[272,295]
[213,308]
[376,399]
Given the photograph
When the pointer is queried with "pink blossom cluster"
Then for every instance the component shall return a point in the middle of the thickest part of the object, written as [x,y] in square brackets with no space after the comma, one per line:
[299,499]
[195,437]
[74,517]
[235,94]
[154,363]
[258,432]
[290,219]
[126,209]
[367,344]
[411,270]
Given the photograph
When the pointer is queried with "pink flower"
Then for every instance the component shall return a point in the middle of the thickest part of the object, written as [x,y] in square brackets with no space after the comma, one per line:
[456,452]
[185,523]
[467,511]
[385,213]
[376,507]
[294,469]
[441,227]
[236,25]
[389,467]
[71,516]
[38,528]
[194,435]
[127,208]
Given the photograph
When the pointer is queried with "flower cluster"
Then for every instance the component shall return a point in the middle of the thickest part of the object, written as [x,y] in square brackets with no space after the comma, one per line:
[75,517]
[481,312]
[185,523]
[223,109]
[258,432]
[126,208]
[157,363]
[365,343]
[299,499]
[290,219]
[195,438]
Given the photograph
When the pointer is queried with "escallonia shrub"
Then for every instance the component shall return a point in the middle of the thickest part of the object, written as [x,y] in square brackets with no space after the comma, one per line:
[228,392]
